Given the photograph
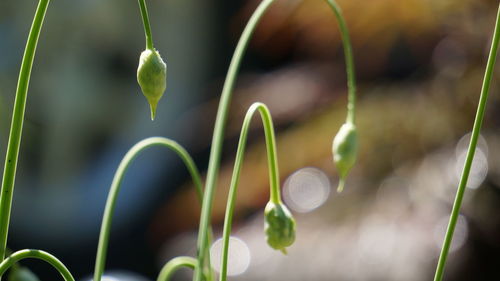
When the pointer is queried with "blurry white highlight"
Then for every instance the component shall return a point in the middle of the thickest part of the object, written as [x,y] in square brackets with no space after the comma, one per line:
[479,168]
[238,259]
[306,189]
[460,235]
[478,171]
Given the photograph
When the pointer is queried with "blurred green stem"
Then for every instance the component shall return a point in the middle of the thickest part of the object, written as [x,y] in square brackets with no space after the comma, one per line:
[16,127]
[147,25]
[116,186]
[36,254]
[349,60]
[273,174]
[470,153]
[173,265]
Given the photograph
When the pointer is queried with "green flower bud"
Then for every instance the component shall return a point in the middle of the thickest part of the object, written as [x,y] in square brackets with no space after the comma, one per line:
[152,77]
[22,274]
[279,226]
[345,149]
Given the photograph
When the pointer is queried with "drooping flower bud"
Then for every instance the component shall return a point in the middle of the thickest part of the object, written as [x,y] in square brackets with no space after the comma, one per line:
[279,226]
[345,150]
[152,77]
[22,274]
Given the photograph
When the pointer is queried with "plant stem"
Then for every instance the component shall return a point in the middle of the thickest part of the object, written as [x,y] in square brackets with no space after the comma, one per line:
[16,127]
[470,153]
[147,25]
[349,60]
[218,136]
[173,265]
[273,174]
[220,122]
[37,254]
[116,186]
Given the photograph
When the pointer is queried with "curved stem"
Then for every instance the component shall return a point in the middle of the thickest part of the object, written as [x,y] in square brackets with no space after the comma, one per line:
[273,174]
[116,186]
[470,153]
[36,254]
[173,265]
[349,60]
[218,136]
[147,25]
[16,127]
[220,122]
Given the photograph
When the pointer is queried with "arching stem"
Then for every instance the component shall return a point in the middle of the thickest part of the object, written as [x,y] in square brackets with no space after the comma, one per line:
[116,186]
[173,265]
[36,254]
[478,122]
[218,136]
[273,174]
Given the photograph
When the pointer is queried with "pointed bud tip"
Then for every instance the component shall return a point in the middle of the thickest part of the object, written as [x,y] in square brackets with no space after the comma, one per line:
[153,114]
[152,107]
[340,187]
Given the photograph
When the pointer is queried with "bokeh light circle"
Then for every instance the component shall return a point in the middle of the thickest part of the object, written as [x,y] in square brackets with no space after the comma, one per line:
[306,189]
[238,258]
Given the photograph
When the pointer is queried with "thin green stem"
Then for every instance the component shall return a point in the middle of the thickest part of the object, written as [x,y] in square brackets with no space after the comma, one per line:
[218,136]
[116,186]
[470,153]
[225,100]
[173,265]
[349,60]
[273,174]
[147,25]
[16,127]
[36,254]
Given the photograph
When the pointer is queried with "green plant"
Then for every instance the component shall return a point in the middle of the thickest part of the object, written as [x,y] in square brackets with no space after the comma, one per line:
[152,71]
[280,226]
[478,122]
[152,77]
[345,150]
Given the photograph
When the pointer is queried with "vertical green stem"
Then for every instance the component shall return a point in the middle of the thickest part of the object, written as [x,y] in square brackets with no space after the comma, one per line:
[470,153]
[16,127]
[116,186]
[218,136]
[37,254]
[147,25]
[349,60]
[273,175]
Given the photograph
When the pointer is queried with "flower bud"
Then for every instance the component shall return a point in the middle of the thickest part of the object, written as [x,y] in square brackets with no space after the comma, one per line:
[152,77]
[345,149]
[22,274]
[279,226]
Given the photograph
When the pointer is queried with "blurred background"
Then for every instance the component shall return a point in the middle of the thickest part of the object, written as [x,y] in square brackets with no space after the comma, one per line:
[419,65]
